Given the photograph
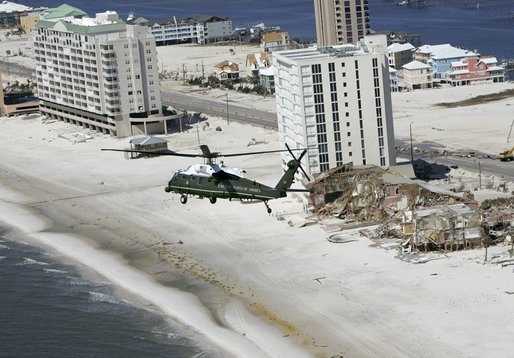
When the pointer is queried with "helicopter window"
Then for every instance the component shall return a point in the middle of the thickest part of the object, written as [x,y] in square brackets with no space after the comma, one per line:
[200,180]
[184,177]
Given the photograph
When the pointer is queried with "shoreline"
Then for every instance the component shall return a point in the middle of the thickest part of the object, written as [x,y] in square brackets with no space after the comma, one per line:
[239,335]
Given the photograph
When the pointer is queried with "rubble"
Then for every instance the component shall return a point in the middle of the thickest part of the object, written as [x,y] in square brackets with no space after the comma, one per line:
[408,216]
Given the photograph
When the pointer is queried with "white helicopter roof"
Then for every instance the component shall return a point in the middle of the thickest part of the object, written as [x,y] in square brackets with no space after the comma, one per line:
[207,170]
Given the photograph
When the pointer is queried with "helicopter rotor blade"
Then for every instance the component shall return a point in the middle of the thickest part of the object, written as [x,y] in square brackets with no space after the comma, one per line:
[304,173]
[253,153]
[301,155]
[290,152]
[206,153]
[160,152]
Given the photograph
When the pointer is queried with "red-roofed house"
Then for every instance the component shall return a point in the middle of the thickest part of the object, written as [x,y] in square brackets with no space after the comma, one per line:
[474,69]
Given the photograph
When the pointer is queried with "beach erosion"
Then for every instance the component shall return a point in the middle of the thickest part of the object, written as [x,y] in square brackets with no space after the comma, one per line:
[248,283]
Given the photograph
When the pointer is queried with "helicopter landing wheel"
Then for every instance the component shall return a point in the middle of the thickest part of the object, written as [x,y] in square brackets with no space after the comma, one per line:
[212,200]
[167,189]
[183,199]
[268,209]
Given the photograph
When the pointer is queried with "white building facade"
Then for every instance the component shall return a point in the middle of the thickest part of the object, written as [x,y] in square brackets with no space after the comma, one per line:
[196,29]
[96,72]
[335,102]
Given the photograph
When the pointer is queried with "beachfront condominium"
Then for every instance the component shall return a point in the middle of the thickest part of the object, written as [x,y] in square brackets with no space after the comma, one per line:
[336,102]
[99,72]
[340,21]
[195,29]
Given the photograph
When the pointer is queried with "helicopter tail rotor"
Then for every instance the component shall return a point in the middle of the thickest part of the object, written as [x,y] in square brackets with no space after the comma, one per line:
[299,160]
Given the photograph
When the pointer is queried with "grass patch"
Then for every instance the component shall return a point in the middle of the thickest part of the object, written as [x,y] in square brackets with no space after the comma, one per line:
[479,99]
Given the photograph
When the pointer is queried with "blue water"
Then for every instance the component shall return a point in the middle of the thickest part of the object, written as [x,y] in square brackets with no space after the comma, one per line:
[489,29]
[47,309]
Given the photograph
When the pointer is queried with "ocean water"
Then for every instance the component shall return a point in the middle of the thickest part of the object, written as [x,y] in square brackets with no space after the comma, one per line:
[487,27]
[48,309]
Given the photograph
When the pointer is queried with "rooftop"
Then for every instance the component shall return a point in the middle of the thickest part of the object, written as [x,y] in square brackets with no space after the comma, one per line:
[64,10]
[313,53]
[7,6]
[396,47]
[76,20]
[416,65]
[275,36]
[445,51]
[147,141]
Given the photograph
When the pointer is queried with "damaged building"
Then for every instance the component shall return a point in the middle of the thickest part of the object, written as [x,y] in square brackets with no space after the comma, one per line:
[422,219]
[442,227]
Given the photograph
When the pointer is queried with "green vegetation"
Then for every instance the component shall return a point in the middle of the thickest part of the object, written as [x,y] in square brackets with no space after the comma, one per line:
[16,87]
[479,99]
[253,86]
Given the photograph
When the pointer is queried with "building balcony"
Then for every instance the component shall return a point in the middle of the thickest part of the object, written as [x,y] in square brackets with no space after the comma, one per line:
[109,64]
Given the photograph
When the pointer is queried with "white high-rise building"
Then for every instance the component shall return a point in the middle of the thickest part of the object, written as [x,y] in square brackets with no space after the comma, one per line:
[99,72]
[336,102]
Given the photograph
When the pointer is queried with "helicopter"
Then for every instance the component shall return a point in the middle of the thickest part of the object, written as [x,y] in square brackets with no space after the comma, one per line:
[216,180]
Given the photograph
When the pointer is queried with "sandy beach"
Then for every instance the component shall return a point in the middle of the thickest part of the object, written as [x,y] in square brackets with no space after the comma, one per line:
[270,288]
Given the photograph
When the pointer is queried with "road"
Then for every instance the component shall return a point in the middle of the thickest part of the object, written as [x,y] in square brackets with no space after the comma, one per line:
[487,165]
[218,108]
[266,119]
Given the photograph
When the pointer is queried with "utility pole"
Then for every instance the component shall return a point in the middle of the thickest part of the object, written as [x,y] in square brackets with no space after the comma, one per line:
[479,176]
[184,114]
[411,149]
[227,109]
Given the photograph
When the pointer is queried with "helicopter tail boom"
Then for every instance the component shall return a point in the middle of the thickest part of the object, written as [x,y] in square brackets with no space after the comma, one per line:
[292,167]
[287,179]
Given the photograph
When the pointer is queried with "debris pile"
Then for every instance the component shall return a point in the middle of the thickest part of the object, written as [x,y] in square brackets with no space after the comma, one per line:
[417,218]
[76,137]
[498,218]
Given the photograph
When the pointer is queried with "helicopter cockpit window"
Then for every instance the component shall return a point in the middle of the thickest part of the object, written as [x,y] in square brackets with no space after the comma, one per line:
[183,177]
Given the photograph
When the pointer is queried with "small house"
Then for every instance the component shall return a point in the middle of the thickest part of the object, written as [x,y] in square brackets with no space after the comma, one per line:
[276,41]
[227,70]
[255,62]
[417,75]
[148,144]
